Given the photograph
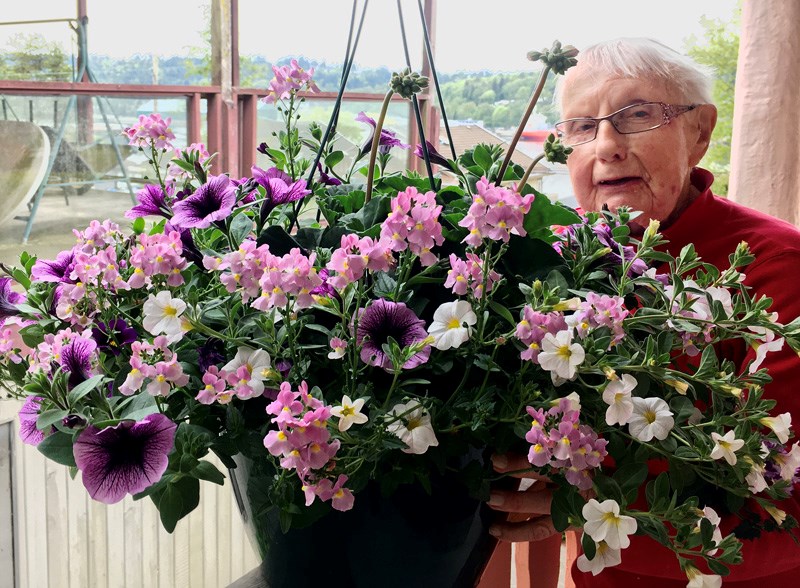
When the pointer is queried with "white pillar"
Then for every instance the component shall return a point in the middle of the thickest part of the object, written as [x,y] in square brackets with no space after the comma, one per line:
[765,150]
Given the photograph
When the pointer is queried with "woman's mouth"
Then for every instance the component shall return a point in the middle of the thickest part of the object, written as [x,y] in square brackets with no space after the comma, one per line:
[618,181]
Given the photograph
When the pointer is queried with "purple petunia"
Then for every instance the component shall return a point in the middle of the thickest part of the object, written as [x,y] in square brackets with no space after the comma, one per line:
[8,299]
[209,353]
[124,459]
[152,201]
[76,359]
[388,138]
[603,233]
[111,337]
[435,157]
[28,414]
[325,179]
[384,319]
[54,271]
[213,201]
[279,188]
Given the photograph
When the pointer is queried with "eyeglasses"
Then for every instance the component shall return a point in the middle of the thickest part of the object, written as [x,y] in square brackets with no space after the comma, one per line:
[636,118]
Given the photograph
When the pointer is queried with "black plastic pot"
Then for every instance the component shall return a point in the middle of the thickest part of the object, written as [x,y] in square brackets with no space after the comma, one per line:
[410,539]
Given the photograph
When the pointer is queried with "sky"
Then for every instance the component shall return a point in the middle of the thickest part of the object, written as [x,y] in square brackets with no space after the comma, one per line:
[471,34]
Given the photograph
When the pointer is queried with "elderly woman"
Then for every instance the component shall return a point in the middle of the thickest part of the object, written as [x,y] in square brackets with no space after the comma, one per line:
[639,118]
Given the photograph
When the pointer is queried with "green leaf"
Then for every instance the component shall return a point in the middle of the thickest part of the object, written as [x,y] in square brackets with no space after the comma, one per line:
[32,335]
[84,388]
[503,312]
[631,476]
[141,406]
[481,156]
[333,158]
[589,546]
[608,488]
[717,567]
[58,447]
[207,471]
[278,240]
[544,214]
[49,417]
[178,499]
[561,508]
[241,226]
[138,225]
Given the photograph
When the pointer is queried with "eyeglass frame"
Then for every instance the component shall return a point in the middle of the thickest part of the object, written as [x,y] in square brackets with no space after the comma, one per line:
[671,112]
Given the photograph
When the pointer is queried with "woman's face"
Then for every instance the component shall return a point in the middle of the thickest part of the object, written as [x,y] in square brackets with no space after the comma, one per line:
[646,171]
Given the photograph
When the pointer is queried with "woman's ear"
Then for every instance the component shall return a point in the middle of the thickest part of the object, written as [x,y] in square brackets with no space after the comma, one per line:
[706,120]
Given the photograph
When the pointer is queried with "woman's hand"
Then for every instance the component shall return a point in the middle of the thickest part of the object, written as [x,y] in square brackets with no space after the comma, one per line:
[529,510]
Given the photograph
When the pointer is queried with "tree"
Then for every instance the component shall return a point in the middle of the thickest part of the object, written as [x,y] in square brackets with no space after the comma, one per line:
[32,57]
[719,52]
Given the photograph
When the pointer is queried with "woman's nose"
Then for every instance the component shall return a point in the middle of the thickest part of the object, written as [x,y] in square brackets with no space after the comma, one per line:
[610,144]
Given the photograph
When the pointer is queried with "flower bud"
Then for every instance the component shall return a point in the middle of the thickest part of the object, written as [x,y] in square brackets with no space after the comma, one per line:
[679,386]
[557,58]
[407,83]
[555,151]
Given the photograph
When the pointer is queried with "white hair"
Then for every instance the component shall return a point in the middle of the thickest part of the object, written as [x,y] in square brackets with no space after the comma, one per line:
[644,58]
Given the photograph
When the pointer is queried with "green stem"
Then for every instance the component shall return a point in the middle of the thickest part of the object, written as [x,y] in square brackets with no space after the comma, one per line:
[534,99]
[528,171]
[376,140]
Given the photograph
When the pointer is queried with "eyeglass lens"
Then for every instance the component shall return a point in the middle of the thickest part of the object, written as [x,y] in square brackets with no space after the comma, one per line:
[631,119]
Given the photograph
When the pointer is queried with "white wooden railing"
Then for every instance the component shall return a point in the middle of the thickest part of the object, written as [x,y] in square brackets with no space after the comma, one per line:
[63,539]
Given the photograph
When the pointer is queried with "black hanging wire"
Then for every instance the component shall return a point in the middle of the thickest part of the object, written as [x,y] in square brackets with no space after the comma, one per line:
[435,77]
[417,114]
[334,115]
[336,108]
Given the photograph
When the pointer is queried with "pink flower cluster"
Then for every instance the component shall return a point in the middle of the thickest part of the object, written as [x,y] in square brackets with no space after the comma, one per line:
[241,269]
[12,347]
[600,310]
[495,213]
[533,327]
[304,444]
[98,236]
[414,224]
[287,78]
[268,279]
[560,442]
[215,387]
[355,256]
[49,352]
[157,255]
[151,130]
[467,275]
[154,364]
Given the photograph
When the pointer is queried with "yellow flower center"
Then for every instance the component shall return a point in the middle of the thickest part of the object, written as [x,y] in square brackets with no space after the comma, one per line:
[564,351]
[453,323]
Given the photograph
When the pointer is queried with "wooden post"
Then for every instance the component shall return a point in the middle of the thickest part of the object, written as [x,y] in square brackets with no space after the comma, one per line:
[193,119]
[222,67]
[85,107]
[249,132]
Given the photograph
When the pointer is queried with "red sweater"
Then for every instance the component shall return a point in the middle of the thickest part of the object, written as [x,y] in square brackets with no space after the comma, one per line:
[716,226]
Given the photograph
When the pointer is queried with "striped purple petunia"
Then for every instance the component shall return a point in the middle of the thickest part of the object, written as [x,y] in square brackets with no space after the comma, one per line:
[124,459]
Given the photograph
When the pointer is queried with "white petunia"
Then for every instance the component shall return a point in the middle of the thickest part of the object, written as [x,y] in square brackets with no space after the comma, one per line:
[258,364]
[755,477]
[779,425]
[766,344]
[560,355]
[162,314]
[452,324]
[349,412]
[604,523]
[651,418]
[788,462]
[604,557]
[713,518]
[726,446]
[618,397]
[697,579]
[413,427]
